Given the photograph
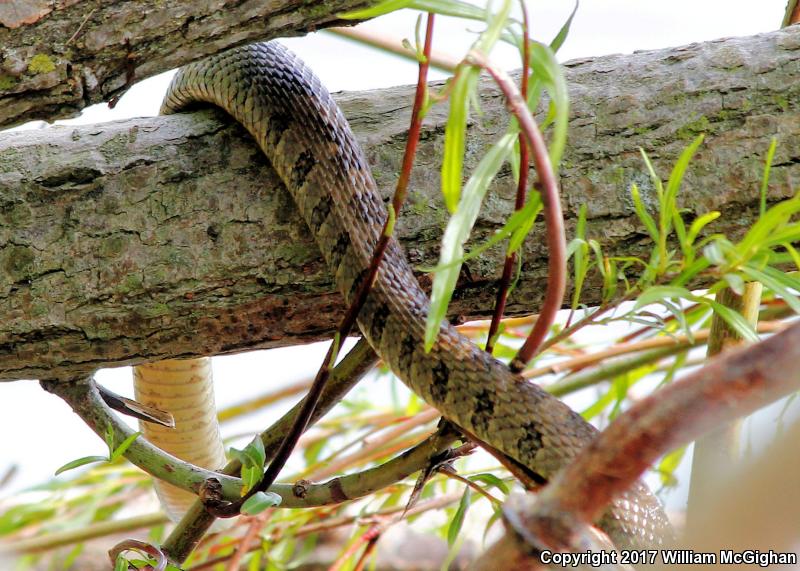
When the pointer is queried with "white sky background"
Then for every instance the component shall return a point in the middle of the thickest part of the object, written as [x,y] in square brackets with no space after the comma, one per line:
[600,27]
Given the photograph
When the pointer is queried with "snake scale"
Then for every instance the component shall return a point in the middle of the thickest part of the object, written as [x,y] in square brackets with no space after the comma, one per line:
[303,133]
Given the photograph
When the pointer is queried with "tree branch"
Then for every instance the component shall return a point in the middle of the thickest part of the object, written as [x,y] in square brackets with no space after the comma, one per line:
[55,62]
[231,266]
[734,384]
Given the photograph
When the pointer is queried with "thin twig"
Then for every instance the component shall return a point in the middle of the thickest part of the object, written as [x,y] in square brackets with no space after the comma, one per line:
[554,220]
[522,187]
[441,61]
[678,341]
[83,23]
[341,521]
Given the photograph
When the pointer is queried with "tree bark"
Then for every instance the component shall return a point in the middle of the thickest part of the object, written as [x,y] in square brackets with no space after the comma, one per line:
[58,57]
[172,237]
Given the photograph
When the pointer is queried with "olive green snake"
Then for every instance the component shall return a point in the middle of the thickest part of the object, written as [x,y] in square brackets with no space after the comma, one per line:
[304,135]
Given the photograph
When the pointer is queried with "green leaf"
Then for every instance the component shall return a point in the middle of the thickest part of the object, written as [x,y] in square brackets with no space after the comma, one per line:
[122,448]
[558,41]
[581,254]
[657,294]
[80,462]
[457,232]
[458,519]
[455,135]
[546,69]
[760,233]
[517,220]
[251,476]
[255,452]
[121,564]
[260,501]
[109,438]
[765,178]
[735,282]
[678,171]
[378,10]
[668,465]
[778,282]
[642,213]
[734,319]
[455,8]
[524,228]
[491,481]
[714,254]
[699,223]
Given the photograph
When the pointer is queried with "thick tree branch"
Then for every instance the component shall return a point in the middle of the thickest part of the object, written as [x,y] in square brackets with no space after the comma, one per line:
[58,57]
[230,266]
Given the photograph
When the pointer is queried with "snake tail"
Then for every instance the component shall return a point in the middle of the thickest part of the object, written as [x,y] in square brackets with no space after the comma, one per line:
[184,388]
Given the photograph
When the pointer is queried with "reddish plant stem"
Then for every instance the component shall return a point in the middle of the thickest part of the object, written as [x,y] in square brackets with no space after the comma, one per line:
[349,320]
[372,542]
[732,385]
[556,242]
[370,536]
[522,187]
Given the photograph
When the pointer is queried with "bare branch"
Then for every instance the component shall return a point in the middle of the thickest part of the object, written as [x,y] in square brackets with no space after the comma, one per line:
[231,266]
[55,62]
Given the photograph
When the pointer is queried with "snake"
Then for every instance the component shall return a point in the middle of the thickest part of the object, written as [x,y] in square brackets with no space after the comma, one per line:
[305,136]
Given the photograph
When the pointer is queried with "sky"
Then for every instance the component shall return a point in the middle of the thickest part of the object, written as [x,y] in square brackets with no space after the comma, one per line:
[600,27]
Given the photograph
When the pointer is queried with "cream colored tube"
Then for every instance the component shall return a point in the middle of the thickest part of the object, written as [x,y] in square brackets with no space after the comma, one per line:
[184,388]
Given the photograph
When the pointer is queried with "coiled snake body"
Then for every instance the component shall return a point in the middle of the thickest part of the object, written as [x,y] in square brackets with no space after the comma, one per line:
[309,143]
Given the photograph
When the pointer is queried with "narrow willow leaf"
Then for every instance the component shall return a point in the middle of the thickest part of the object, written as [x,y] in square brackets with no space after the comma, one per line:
[680,316]
[735,282]
[668,465]
[669,215]
[251,476]
[765,178]
[455,8]
[80,462]
[122,448]
[455,135]
[255,451]
[260,501]
[378,10]
[760,232]
[699,223]
[558,41]
[642,213]
[737,322]
[713,252]
[491,481]
[778,282]
[581,257]
[679,170]
[521,232]
[458,519]
[457,232]
[108,436]
[546,68]
[793,253]
[657,294]
[654,178]
[515,221]
[495,25]
[120,564]
[789,233]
